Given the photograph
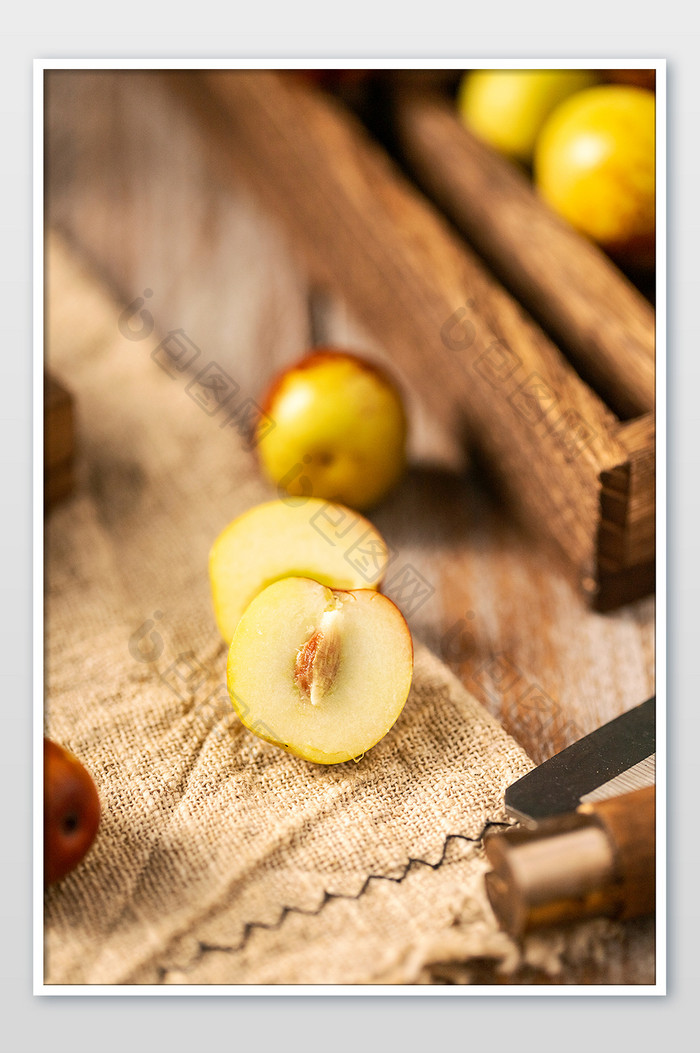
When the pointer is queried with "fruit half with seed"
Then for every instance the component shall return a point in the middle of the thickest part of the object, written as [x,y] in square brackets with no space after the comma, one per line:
[302,537]
[322,673]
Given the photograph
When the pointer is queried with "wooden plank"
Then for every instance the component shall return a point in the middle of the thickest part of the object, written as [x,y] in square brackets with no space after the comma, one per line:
[615,588]
[627,535]
[638,437]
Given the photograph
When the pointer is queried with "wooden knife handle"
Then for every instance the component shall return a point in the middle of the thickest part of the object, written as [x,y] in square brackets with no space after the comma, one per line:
[597,861]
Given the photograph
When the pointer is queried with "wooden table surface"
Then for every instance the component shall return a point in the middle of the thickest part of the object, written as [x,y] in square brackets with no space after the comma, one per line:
[495,603]
[126,188]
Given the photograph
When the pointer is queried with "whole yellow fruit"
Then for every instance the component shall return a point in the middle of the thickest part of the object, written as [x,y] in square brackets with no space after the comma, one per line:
[595,165]
[333,427]
[507,107]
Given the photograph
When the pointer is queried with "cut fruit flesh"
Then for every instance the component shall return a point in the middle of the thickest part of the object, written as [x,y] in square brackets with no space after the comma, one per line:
[306,538]
[322,673]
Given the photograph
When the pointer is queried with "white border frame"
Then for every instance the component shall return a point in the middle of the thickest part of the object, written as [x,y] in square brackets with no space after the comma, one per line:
[40,67]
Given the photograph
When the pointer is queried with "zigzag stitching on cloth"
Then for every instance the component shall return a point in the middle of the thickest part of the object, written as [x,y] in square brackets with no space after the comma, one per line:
[250,926]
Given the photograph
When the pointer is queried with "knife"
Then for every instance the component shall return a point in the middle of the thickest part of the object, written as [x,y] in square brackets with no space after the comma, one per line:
[586,843]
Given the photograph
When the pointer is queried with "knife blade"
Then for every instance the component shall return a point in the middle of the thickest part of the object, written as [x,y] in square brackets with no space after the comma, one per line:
[622,749]
[586,846]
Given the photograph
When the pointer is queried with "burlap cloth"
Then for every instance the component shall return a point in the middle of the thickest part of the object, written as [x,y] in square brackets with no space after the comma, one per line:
[221,859]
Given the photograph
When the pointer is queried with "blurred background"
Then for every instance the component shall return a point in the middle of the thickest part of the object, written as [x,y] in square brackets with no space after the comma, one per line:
[187,246]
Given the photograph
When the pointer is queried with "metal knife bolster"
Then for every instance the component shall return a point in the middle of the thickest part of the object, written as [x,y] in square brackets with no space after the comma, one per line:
[597,861]
[592,849]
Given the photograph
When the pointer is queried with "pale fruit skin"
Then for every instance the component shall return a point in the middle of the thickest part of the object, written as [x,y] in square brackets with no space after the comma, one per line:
[339,430]
[318,539]
[595,165]
[370,687]
[506,108]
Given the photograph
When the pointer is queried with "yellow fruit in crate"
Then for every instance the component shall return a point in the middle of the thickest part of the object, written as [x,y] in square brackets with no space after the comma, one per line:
[507,107]
[595,165]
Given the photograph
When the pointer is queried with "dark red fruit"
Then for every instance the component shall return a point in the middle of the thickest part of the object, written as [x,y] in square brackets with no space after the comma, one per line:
[71,811]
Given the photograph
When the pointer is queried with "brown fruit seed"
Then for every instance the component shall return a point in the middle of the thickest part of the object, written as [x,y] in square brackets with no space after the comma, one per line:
[318,660]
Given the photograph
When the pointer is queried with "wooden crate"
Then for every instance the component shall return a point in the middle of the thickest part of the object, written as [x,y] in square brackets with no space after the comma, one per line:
[574,468]
[576,464]
[598,317]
